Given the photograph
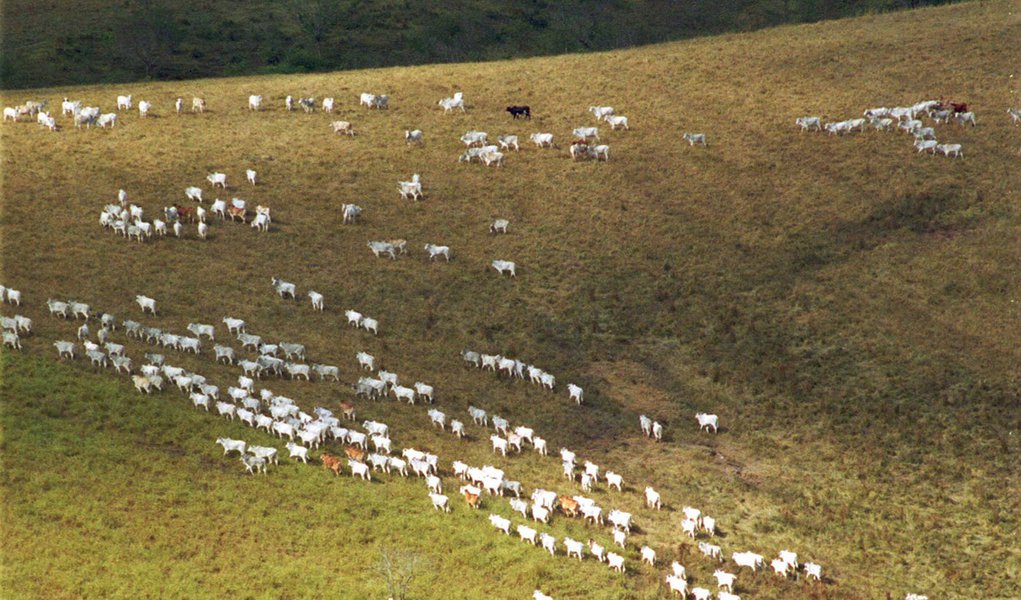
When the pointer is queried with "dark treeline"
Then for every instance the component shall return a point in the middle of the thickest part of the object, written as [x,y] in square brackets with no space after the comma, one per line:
[59,43]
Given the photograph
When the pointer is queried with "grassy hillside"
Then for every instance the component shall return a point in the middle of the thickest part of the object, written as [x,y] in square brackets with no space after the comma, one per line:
[846,306]
[65,43]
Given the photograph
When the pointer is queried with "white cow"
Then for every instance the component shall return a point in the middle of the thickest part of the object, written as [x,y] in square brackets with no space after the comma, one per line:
[124,102]
[435,251]
[382,248]
[748,559]
[576,393]
[695,138]
[649,555]
[724,580]
[652,498]
[230,445]
[217,179]
[615,562]
[705,421]
[542,140]
[474,138]
[283,288]
[413,136]
[548,543]
[601,112]
[574,547]
[147,304]
[254,102]
[500,523]
[678,584]
[807,123]
[505,266]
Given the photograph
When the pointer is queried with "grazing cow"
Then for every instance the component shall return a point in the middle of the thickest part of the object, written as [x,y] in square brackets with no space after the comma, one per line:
[724,580]
[710,550]
[709,525]
[350,213]
[948,149]
[505,266]
[520,111]
[230,445]
[147,304]
[283,288]
[360,469]
[585,133]
[472,495]
[615,562]
[962,118]
[574,547]
[331,463]
[474,138]
[807,123]
[438,418]
[508,141]
[780,567]
[382,248]
[548,543]
[1015,115]
[695,138]
[747,559]
[617,121]
[435,251]
[677,584]
[500,523]
[440,502]
[254,464]
[413,136]
[924,145]
[254,102]
[542,140]
[705,421]
[575,392]
[700,593]
[297,451]
[813,570]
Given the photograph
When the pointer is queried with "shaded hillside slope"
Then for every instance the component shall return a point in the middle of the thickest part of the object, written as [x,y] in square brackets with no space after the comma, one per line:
[61,43]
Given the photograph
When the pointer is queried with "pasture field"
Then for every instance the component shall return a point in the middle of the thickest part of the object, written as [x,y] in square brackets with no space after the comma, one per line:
[847,306]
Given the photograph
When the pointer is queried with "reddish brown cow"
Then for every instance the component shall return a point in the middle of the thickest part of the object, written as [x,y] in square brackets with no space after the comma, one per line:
[330,462]
[348,410]
[472,499]
[569,506]
[355,454]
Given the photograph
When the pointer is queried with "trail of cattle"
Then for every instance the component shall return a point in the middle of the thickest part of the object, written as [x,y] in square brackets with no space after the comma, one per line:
[260,408]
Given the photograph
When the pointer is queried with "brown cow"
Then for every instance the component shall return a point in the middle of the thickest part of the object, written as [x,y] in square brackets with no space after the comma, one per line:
[569,506]
[473,500]
[348,410]
[355,453]
[185,213]
[234,211]
[330,462]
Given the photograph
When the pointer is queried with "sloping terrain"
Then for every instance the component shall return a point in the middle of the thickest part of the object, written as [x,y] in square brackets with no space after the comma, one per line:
[846,305]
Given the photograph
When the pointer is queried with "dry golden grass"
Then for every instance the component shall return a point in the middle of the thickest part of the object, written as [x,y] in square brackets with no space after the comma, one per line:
[843,303]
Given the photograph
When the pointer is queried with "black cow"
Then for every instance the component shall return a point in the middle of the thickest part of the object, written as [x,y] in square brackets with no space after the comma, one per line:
[517,111]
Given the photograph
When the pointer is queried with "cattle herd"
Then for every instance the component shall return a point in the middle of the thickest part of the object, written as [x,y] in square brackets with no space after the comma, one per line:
[908,119]
[335,437]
